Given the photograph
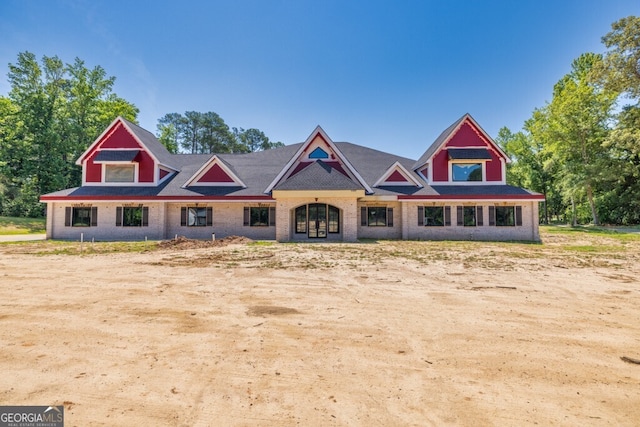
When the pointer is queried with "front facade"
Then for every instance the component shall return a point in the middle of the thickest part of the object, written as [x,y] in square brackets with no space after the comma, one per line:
[319,190]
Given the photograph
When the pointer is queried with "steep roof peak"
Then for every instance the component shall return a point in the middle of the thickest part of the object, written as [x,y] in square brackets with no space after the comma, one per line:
[448,133]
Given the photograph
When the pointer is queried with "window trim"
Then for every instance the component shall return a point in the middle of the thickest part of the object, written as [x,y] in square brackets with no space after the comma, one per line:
[184,216]
[364,216]
[271,216]
[517,216]
[335,211]
[480,162]
[478,216]
[144,217]
[105,166]
[69,215]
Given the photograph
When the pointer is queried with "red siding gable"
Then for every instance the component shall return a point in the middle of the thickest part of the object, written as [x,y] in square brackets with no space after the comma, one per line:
[93,171]
[215,174]
[468,135]
[441,166]
[146,167]
[494,167]
[396,176]
[119,138]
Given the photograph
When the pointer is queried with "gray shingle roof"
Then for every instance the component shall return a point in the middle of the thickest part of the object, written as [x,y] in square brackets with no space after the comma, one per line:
[116,155]
[152,143]
[257,170]
[480,190]
[469,153]
[437,143]
[318,176]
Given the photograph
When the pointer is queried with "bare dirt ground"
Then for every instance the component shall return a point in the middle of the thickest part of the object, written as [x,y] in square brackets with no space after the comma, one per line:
[377,333]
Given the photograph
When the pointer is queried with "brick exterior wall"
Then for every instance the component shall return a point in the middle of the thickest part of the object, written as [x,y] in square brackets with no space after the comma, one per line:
[529,229]
[380,232]
[164,222]
[106,228]
[228,220]
[285,222]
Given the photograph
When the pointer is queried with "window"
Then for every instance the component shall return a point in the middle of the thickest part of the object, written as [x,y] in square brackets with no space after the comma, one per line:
[318,153]
[466,171]
[334,219]
[470,216]
[119,173]
[196,216]
[434,216]
[505,216]
[128,216]
[301,219]
[260,216]
[81,216]
[376,216]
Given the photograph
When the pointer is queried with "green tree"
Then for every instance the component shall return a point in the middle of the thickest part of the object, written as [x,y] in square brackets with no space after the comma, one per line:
[622,202]
[168,131]
[620,69]
[620,72]
[214,135]
[197,133]
[90,107]
[37,90]
[254,140]
[530,167]
[579,117]
[57,111]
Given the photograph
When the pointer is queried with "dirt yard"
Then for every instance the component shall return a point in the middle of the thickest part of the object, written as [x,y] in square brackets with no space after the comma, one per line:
[376,333]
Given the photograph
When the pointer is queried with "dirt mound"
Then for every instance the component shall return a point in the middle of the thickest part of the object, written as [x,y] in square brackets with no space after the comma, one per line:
[182,242]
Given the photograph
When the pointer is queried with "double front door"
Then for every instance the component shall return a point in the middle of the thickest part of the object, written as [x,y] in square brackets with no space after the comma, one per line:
[317,219]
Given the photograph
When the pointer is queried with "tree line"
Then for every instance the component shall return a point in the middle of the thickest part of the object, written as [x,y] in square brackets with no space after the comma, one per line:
[54,111]
[582,149]
[196,133]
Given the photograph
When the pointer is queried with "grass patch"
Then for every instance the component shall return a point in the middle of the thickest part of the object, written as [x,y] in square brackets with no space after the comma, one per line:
[13,225]
[586,248]
[622,233]
[63,247]
[261,243]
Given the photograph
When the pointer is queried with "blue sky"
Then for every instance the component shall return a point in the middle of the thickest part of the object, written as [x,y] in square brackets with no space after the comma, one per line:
[390,75]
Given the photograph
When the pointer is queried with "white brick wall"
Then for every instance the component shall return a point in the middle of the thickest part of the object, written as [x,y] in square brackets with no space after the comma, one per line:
[228,220]
[106,228]
[527,231]
[285,222]
[379,232]
[164,223]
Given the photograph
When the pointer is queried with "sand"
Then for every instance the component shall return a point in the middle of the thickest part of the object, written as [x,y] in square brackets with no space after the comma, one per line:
[376,333]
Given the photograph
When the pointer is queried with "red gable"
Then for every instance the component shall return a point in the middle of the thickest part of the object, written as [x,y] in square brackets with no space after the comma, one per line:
[117,137]
[215,174]
[396,176]
[468,135]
